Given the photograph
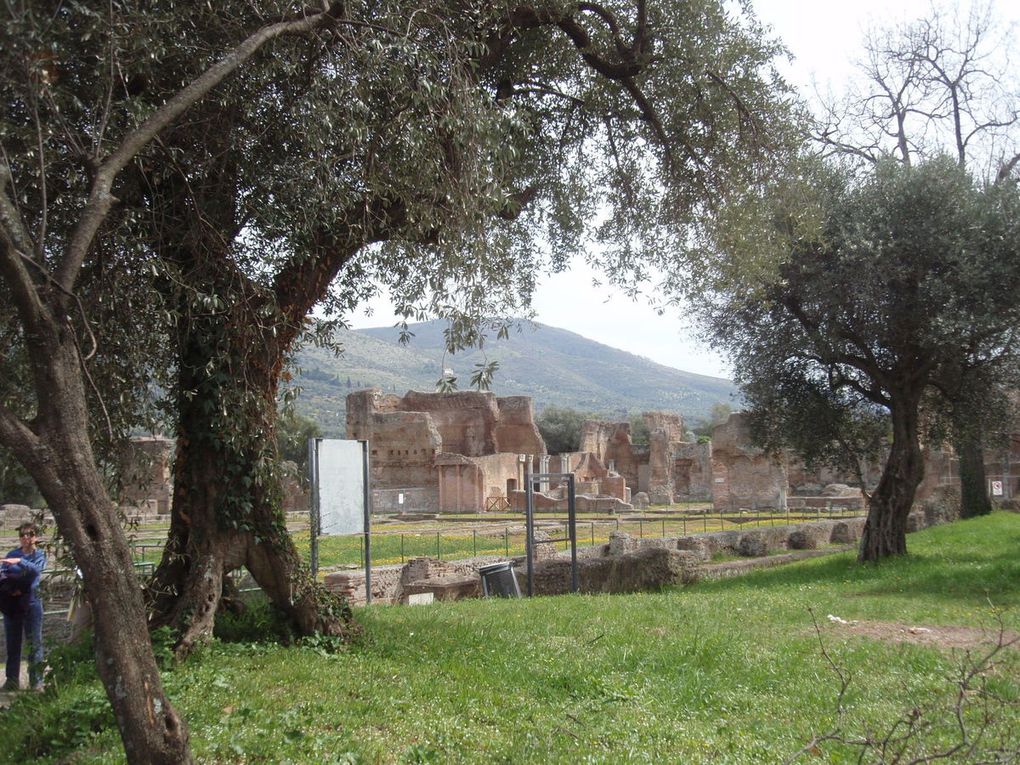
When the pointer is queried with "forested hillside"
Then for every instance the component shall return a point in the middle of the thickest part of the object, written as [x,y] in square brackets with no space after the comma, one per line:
[553,366]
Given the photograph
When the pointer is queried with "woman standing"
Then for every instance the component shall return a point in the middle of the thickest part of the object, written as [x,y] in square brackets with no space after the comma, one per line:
[24,565]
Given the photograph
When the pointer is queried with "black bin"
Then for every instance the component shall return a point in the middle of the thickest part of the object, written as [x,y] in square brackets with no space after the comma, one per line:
[499,580]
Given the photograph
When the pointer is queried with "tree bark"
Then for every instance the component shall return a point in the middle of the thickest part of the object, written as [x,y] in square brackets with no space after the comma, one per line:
[57,452]
[974,499]
[885,531]
[227,509]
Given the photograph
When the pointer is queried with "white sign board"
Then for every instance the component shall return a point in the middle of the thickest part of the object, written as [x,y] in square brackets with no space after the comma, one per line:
[996,488]
[340,480]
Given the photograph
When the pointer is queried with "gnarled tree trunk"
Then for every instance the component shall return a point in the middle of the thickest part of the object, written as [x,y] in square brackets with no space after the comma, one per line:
[885,531]
[227,505]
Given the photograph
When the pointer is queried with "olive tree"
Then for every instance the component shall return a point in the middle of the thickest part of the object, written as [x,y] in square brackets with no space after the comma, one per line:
[942,84]
[248,158]
[893,288]
[68,134]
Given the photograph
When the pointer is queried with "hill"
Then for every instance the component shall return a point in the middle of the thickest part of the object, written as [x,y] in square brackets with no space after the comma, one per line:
[553,366]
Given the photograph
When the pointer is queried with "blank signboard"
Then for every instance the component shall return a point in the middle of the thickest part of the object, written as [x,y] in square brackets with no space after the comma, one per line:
[340,470]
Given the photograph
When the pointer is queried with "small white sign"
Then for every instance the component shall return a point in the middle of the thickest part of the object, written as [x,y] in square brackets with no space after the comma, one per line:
[400,498]
[996,488]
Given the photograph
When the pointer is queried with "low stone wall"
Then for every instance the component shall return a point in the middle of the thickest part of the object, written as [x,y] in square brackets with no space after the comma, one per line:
[639,571]
[415,500]
[393,584]
[12,516]
[827,504]
[626,563]
[584,503]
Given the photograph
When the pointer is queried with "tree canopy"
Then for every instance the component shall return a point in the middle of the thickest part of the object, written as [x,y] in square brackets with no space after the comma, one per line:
[234,163]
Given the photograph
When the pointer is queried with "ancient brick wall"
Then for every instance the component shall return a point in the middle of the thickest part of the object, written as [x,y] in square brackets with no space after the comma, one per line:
[466,420]
[1003,465]
[453,449]
[516,431]
[743,476]
[461,484]
[610,443]
[691,471]
[402,447]
[145,473]
[652,469]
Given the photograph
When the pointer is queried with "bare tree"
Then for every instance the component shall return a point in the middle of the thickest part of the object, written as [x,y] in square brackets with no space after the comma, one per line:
[940,85]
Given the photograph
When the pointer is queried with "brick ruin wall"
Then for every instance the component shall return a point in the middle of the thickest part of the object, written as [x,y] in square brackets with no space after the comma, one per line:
[516,431]
[669,469]
[145,474]
[453,449]
[744,476]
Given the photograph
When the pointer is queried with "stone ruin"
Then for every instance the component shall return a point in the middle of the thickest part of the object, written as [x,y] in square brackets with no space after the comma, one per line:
[443,452]
[146,490]
[670,469]
[467,452]
[745,477]
[146,477]
[462,452]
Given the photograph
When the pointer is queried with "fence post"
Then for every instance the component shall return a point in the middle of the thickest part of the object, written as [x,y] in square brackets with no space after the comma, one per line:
[506,540]
[593,533]
[474,543]
[401,548]
[641,528]
[439,552]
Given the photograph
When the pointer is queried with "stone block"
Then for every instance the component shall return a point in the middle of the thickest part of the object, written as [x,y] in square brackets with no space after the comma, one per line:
[753,545]
[639,571]
[810,536]
[701,547]
[847,532]
[621,543]
[916,521]
[446,588]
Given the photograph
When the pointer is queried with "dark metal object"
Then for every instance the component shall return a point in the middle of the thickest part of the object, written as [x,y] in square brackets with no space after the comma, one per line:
[529,519]
[499,580]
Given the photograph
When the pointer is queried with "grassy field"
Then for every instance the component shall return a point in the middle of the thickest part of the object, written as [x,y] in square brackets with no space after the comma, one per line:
[727,671]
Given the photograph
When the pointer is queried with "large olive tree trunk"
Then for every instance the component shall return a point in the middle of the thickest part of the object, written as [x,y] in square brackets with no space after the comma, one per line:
[885,531]
[227,504]
[57,451]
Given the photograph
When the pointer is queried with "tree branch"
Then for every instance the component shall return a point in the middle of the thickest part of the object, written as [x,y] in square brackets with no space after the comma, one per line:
[100,197]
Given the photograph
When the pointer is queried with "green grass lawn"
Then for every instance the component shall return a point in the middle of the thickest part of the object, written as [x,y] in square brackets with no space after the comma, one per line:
[726,671]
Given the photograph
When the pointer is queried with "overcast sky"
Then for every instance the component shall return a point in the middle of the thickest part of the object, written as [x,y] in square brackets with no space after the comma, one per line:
[825,39]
